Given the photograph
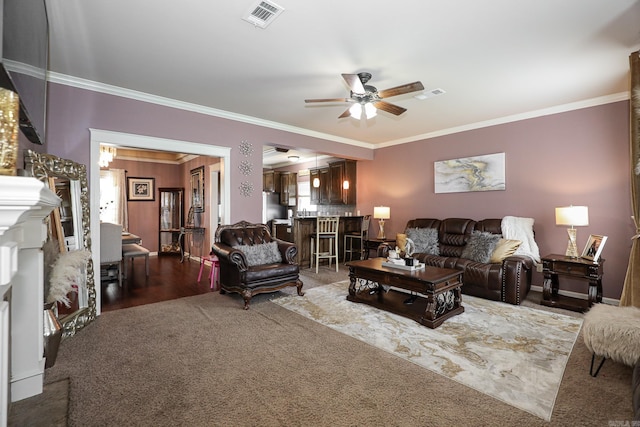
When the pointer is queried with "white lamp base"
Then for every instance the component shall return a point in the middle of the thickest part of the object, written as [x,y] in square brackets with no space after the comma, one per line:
[572,248]
[381,232]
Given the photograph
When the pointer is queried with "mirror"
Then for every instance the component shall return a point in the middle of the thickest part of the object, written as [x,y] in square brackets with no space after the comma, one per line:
[70,226]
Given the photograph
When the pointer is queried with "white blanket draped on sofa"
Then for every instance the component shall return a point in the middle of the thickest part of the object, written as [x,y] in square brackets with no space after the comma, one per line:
[516,228]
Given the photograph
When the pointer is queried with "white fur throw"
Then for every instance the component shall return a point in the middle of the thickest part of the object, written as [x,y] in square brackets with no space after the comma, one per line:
[516,228]
[613,332]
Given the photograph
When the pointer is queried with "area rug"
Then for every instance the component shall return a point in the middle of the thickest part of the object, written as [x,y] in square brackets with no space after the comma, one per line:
[515,354]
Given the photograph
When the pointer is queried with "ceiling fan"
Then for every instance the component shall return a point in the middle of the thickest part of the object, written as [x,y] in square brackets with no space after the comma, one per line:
[367,98]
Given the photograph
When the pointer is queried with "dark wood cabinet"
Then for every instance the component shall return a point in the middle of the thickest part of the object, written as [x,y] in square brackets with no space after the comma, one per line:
[171,220]
[332,189]
[288,188]
[271,181]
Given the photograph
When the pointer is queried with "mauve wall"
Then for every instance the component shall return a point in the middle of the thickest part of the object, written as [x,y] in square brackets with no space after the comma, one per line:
[73,111]
[579,158]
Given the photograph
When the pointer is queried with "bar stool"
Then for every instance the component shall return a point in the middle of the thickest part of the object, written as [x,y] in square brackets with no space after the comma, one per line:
[326,229]
[215,270]
[356,235]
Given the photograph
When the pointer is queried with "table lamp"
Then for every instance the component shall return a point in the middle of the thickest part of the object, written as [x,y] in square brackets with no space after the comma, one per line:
[572,216]
[381,213]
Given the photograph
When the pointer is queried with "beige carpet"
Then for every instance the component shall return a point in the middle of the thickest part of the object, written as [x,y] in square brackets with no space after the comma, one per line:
[513,353]
[203,361]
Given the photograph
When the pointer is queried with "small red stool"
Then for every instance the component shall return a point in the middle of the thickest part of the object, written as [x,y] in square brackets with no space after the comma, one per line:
[215,268]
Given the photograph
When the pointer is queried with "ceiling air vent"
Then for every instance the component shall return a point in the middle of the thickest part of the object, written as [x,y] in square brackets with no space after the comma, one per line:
[263,13]
[430,94]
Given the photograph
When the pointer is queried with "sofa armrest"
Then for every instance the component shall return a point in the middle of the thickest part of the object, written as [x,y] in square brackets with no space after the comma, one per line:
[227,254]
[288,250]
[516,271]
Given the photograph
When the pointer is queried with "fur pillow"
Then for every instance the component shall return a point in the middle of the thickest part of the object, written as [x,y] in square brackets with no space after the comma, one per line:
[505,248]
[480,246]
[425,240]
[264,253]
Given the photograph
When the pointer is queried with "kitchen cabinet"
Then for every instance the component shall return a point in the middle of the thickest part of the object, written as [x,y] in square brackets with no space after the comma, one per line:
[171,220]
[271,182]
[320,195]
[288,188]
[332,189]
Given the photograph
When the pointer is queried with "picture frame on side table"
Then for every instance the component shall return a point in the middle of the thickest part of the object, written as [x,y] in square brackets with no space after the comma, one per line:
[594,246]
[141,189]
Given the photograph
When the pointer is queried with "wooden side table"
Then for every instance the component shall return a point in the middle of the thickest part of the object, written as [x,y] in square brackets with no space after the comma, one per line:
[372,244]
[554,266]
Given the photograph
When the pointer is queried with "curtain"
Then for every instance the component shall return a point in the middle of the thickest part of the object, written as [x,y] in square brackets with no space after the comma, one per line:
[631,290]
[113,197]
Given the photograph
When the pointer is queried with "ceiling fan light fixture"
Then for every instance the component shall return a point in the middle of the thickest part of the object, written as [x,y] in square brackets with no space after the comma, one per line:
[356,111]
[369,110]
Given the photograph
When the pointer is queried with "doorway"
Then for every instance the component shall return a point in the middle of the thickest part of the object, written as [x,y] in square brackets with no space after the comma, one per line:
[160,144]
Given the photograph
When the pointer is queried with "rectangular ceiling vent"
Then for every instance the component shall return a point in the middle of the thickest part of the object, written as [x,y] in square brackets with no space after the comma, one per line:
[430,93]
[263,13]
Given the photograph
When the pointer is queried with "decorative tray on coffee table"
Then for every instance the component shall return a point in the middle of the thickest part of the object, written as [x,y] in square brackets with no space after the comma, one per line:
[403,266]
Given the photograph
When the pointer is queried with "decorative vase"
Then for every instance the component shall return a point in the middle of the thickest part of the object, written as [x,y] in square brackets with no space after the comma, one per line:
[9,124]
[52,335]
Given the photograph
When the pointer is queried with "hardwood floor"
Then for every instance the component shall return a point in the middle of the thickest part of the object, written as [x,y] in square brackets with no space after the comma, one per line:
[168,279]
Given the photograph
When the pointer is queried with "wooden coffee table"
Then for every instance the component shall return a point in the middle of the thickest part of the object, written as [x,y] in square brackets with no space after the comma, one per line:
[435,292]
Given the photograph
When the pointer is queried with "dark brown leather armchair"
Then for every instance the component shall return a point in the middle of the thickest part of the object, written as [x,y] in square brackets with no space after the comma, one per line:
[252,262]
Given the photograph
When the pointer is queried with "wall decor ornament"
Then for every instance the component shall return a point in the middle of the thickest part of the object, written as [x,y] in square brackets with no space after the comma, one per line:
[246,148]
[141,189]
[245,167]
[197,188]
[479,173]
[246,189]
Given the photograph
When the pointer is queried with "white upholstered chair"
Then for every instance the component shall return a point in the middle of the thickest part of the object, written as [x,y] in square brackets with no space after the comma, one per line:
[111,249]
[326,230]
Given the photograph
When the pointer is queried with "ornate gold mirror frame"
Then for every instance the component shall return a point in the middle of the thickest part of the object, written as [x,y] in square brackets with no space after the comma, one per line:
[44,167]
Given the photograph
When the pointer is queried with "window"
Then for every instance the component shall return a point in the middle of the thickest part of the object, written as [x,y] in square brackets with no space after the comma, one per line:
[304,197]
[113,196]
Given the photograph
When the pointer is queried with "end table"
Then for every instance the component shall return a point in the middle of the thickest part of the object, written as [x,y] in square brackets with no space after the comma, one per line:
[372,244]
[555,266]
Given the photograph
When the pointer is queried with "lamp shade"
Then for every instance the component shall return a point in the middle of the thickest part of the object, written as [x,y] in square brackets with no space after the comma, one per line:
[572,216]
[381,212]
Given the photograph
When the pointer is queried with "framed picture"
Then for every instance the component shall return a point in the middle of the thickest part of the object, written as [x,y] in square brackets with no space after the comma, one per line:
[594,246]
[141,189]
[478,173]
[197,189]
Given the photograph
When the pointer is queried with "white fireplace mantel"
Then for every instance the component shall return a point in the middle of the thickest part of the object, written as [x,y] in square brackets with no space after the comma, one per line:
[24,204]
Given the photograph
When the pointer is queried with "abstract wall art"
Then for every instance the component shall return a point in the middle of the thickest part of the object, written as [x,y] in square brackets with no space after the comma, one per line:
[479,173]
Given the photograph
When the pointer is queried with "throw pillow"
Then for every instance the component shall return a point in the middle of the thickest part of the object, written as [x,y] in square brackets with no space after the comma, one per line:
[264,253]
[425,240]
[480,246]
[505,248]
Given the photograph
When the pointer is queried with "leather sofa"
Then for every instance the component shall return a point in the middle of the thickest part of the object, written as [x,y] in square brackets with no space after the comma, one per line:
[635,389]
[244,270]
[508,281]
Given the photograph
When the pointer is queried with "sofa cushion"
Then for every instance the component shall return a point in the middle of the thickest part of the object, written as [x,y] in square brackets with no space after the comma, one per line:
[264,253]
[505,248]
[480,246]
[425,240]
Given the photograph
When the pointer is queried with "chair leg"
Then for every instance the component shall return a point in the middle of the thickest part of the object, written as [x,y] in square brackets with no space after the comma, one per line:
[146,264]
[201,268]
[593,358]
[336,253]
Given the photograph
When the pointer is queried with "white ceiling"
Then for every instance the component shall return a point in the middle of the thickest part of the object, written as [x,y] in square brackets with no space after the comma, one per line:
[495,59]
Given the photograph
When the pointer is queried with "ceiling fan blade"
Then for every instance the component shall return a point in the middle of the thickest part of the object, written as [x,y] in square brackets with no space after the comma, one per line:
[389,108]
[345,114]
[399,90]
[354,83]
[328,100]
